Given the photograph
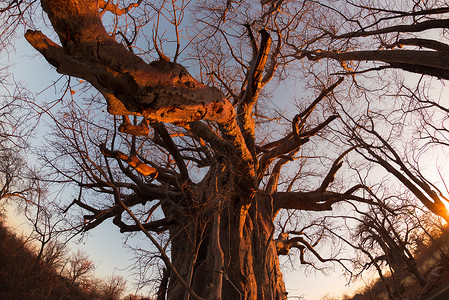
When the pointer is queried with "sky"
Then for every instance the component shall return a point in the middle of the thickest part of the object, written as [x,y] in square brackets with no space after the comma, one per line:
[104,244]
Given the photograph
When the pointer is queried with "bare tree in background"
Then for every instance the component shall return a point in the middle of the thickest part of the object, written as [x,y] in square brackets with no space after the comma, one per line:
[385,238]
[18,181]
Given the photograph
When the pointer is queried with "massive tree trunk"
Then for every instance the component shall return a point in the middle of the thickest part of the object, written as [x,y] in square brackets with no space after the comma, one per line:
[250,261]
[247,256]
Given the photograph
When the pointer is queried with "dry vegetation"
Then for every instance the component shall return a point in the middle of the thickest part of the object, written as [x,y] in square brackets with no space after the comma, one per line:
[54,275]
[431,257]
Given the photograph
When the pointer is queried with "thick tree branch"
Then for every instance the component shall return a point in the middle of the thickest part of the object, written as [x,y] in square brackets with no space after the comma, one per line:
[135,130]
[315,200]
[290,145]
[330,177]
[275,173]
[417,27]
[157,226]
[253,88]
[422,43]
[206,133]
[161,91]
[423,62]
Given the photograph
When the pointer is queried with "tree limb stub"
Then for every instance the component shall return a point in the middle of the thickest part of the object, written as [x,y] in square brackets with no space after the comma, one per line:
[330,177]
[115,9]
[132,160]
[136,130]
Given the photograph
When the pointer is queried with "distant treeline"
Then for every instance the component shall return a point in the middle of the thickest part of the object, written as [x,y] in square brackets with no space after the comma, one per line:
[26,273]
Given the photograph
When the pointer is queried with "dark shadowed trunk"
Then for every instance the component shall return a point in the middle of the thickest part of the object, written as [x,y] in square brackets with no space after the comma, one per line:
[250,260]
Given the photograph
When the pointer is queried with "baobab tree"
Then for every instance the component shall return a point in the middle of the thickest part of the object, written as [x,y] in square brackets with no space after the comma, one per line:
[221,228]
[192,162]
